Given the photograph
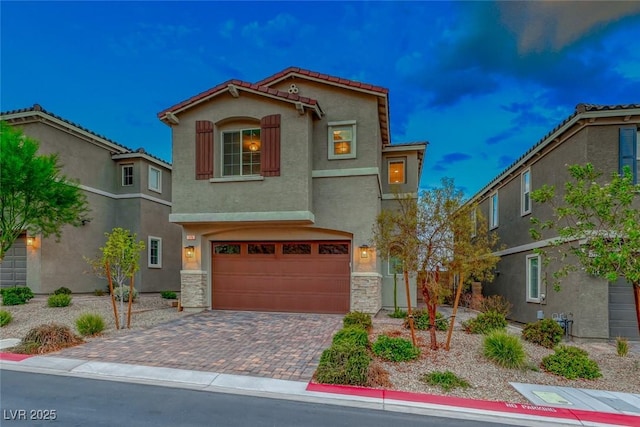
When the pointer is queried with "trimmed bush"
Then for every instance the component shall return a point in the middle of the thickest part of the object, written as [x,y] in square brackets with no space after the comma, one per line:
[60,300]
[5,318]
[98,292]
[398,313]
[504,349]
[47,338]
[16,296]
[421,321]
[622,346]
[395,349]
[544,332]
[446,380]
[344,363]
[496,303]
[168,295]
[62,291]
[571,363]
[90,324]
[357,318]
[352,334]
[122,292]
[484,323]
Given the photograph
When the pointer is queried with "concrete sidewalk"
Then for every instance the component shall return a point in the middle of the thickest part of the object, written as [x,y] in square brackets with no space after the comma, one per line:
[389,400]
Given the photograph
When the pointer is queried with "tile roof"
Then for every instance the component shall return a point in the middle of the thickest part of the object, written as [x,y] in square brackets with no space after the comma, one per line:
[580,109]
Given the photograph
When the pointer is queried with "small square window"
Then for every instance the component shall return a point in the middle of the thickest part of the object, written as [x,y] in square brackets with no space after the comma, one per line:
[155,179]
[127,175]
[397,171]
[342,140]
[155,252]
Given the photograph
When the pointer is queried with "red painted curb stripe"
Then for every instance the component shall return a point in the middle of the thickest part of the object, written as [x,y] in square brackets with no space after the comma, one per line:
[488,405]
[14,357]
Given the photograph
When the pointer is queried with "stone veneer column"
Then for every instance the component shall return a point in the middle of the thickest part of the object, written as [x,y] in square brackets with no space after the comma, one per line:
[193,290]
[366,292]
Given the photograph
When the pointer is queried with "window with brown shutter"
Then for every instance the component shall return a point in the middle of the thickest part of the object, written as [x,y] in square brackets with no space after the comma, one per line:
[270,138]
[204,149]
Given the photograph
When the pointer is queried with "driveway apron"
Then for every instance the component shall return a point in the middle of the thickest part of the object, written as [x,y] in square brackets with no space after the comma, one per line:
[275,345]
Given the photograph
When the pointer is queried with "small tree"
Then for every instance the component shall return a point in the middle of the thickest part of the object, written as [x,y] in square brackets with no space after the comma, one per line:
[120,261]
[34,194]
[596,223]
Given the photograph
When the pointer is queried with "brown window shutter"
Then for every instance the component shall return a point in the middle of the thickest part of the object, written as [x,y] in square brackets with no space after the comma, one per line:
[204,149]
[270,150]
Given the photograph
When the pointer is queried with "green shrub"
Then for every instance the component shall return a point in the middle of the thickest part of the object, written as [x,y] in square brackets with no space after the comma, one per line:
[16,296]
[352,334]
[357,318]
[123,292]
[90,324]
[47,338]
[496,303]
[395,349]
[98,292]
[5,318]
[504,349]
[544,332]
[622,346]
[344,363]
[398,313]
[168,295]
[484,323]
[60,300]
[571,362]
[421,321]
[62,291]
[446,380]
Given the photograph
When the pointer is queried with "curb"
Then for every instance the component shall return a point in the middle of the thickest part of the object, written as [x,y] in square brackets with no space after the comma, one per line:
[14,357]
[579,415]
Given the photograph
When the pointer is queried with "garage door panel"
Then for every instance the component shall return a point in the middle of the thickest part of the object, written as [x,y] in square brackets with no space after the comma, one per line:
[295,277]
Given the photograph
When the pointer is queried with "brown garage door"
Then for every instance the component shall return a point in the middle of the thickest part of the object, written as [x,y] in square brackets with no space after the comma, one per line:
[307,277]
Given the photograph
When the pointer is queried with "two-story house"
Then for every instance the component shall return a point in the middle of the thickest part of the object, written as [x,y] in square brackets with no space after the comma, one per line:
[277,185]
[124,188]
[607,137]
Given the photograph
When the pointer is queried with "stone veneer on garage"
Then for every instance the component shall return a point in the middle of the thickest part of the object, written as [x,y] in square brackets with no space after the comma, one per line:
[193,292]
[366,292]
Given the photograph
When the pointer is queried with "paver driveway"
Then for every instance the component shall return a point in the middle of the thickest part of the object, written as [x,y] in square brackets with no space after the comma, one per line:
[275,345]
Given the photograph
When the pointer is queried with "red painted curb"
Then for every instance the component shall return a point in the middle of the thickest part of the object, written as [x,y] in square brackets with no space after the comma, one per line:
[487,405]
[14,357]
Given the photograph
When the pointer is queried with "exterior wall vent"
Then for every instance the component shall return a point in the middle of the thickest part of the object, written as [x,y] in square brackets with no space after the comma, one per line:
[293,88]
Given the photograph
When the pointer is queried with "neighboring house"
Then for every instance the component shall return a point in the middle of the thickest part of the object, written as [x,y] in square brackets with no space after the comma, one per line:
[277,186]
[124,188]
[607,137]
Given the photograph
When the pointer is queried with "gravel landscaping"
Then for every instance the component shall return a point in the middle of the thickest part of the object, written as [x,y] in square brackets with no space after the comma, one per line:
[465,359]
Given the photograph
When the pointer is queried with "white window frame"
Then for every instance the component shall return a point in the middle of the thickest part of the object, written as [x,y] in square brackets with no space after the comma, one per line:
[404,169]
[152,170]
[342,124]
[239,131]
[494,211]
[122,174]
[149,261]
[474,223]
[532,298]
[525,192]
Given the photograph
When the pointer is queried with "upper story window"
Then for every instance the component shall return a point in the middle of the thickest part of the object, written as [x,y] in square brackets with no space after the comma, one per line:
[533,278]
[155,179]
[629,151]
[342,140]
[493,210]
[474,223]
[397,171]
[525,183]
[155,252]
[127,175]
[241,152]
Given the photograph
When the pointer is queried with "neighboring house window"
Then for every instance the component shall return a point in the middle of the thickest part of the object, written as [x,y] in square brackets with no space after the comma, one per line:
[127,175]
[533,278]
[474,223]
[629,151]
[525,179]
[493,210]
[397,171]
[342,140]
[155,252]
[241,152]
[394,266]
[155,179]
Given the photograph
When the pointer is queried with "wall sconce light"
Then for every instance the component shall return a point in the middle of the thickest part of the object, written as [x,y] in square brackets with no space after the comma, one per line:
[364,251]
[189,251]
[30,240]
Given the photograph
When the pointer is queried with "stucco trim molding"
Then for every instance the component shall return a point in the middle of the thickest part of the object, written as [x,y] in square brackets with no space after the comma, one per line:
[365,274]
[300,216]
[124,196]
[238,178]
[331,173]
[529,246]
[391,196]
[193,272]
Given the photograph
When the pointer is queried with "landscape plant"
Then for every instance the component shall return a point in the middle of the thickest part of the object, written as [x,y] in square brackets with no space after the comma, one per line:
[59,300]
[5,318]
[168,295]
[572,363]
[545,332]
[62,290]
[90,324]
[358,318]
[47,338]
[622,346]
[484,323]
[446,380]
[344,363]
[395,349]
[352,334]
[496,303]
[504,349]
[422,321]
[16,296]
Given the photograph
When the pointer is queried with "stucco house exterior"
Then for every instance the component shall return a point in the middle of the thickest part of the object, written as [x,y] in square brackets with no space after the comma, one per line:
[124,188]
[277,185]
[607,137]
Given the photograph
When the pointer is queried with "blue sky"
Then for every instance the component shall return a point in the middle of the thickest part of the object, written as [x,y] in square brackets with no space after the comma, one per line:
[481,81]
